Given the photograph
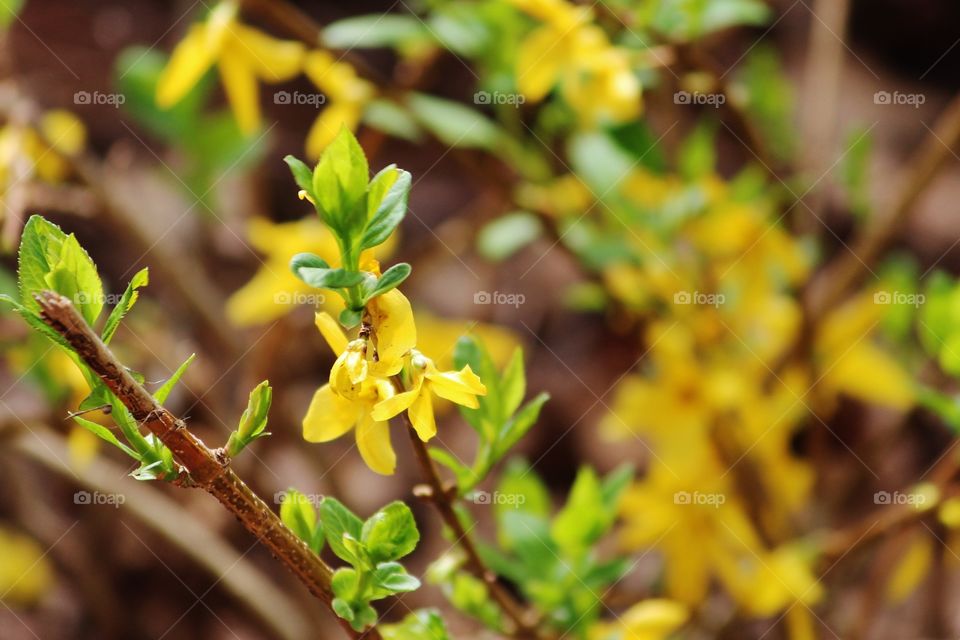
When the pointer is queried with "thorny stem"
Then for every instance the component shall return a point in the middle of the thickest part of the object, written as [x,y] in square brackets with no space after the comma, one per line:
[208,469]
[525,624]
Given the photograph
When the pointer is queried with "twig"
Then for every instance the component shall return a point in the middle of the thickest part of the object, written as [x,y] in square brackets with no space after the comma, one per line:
[847,271]
[187,533]
[208,469]
[525,625]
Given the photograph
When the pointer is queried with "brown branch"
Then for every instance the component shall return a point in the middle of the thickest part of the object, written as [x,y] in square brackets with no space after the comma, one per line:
[847,271]
[525,624]
[208,469]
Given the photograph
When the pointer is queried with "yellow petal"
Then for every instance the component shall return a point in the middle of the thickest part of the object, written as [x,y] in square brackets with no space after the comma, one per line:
[240,84]
[64,131]
[189,61]
[329,416]
[331,331]
[654,618]
[421,415]
[271,59]
[373,440]
[269,295]
[334,117]
[396,333]
[539,62]
[911,569]
[393,406]
[866,372]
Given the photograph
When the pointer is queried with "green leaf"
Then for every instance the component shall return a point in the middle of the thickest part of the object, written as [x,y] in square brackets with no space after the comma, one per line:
[584,519]
[339,522]
[393,120]
[40,246]
[9,10]
[391,533]
[770,100]
[391,279]
[127,300]
[329,278]
[308,261]
[518,425]
[36,323]
[340,183]
[454,124]
[463,473]
[854,171]
[302,174]
[161,394]
[423,624]
[613,487]
[375,30]
[513,384]
[343,609]
[599,161]
[253,422]
[388,199]
[698,155]
[392,578]
[105,434]
[350,318]
[301,518]
[508,234]
[75,276]
[520,481]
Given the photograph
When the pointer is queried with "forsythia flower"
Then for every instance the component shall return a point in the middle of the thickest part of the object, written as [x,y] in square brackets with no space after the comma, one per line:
[242,54]
[361,392]
[346,97]
[568,49]
[461,387]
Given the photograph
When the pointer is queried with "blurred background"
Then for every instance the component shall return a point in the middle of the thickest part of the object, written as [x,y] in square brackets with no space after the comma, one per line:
[87,552]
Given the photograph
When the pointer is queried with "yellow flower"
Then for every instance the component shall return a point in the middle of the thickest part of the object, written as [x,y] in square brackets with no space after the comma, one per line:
[461,387]
[242,54]
[852,364]
[274,291]
[569,50]
[393,329]
[26,573]
[346,97]
[331,415]
[653,619]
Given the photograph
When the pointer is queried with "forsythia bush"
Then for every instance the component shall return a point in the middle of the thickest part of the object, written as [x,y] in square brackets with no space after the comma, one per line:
[739,372]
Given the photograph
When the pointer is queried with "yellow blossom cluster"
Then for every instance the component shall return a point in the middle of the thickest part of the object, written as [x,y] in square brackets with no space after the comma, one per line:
[246,56]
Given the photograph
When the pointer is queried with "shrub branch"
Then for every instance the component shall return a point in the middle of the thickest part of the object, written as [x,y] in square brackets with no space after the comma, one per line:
[207,468]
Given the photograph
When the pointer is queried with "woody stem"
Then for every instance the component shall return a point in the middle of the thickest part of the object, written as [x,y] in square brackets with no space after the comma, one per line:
[207,468]
[525,625]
